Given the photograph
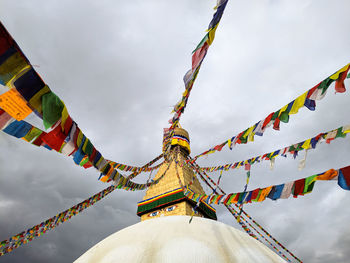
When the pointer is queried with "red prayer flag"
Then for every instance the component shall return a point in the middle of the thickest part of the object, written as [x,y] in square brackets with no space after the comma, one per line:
[254,194]
[55,138]
[67,125]
[276,124]
[219,147]
[227,198]
[346,173]
[312,90]
[87,165]
[267,120]
[339,83]
[198,56]
[38,141]
[299,186]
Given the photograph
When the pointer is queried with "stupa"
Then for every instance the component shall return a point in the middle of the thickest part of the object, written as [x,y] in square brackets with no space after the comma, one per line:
[165,233]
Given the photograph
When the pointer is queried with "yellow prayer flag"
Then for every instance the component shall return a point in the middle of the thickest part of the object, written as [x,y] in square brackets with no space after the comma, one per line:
[251,137]
[298,103]
[19,74]
[211,34]
[248,131]
[346,129]
[306,144]
[184,94]
[336,74]
[282,109]
[80,138]
[229,142]
[85,144]
[12,66]
[210,152]
[35,101]
[64,117]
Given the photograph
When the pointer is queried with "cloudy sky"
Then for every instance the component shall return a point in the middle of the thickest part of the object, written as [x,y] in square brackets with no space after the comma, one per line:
[118,66]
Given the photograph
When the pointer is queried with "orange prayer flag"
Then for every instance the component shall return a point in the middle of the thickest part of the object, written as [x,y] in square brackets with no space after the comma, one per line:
[328,175]
[13,103]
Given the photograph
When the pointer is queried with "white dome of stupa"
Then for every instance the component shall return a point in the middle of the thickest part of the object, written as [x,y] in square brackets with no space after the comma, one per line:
[171,239]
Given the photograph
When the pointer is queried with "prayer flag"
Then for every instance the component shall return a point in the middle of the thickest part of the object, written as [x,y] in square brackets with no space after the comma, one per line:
[344,178]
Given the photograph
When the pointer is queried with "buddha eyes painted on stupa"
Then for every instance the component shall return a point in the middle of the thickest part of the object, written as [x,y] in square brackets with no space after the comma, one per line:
[163,211]
[171,208]
[154,214]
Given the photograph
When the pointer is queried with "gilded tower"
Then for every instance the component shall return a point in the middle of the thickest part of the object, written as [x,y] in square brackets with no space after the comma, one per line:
[166,198]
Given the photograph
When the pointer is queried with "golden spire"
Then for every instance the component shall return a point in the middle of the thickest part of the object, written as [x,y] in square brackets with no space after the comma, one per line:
[166,198]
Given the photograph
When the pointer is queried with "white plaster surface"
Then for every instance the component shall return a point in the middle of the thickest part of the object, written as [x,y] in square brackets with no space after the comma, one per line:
[172,239]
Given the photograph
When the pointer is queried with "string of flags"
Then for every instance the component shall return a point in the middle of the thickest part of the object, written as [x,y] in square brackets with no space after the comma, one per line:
[270,236]
[307,99]
[234,213]
[21,100]
[125,182]
[108,169]
[242,221]
[292,150]
[247,168]
[24,237]
[28,93]
[296,188]
[198,56]
[196,167]
[251,233]
[129,168]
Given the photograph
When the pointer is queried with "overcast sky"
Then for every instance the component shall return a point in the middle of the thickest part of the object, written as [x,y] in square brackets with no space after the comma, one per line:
[118,66]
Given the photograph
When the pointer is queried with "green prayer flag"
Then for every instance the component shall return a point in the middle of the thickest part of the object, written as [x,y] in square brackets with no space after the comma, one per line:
[257,198]
[284,117]
[340,133]
[84,161]
[241,196]
[291,148]
[88,148]
[52,108]
[229,201]
[325,84]
[244,139]
[205,38]
[275,115]
[33,133]
[299,147]
[309,184]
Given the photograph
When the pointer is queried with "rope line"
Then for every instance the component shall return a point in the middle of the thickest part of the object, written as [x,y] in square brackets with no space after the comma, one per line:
[24,237]
[196,167]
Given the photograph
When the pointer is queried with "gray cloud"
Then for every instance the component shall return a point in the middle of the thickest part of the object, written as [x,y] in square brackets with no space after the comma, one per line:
[118,66]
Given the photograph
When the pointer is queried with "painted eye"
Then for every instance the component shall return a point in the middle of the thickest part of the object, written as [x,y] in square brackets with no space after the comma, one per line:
[171,208]
[154,213]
